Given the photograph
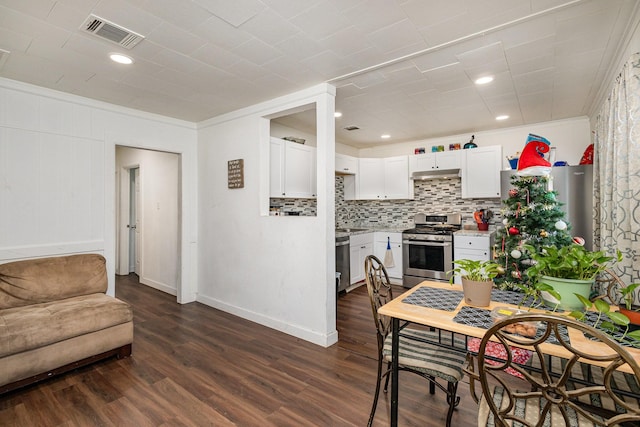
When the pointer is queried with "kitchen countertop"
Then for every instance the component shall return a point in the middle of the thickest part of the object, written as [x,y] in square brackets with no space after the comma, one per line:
[476,232]
[378,228]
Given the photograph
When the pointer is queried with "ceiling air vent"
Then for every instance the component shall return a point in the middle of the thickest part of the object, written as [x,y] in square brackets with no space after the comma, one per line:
[352,128]
[112,32]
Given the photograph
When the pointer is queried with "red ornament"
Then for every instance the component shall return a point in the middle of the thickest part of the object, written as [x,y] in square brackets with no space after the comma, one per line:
[513,192]
[513,231]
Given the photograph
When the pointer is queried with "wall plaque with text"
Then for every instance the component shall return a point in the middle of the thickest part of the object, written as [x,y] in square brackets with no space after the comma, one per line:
[235,171]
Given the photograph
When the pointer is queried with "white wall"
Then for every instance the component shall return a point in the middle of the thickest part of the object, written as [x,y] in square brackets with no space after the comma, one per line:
[57,175]
[159,215]
[275,270]
[570,137]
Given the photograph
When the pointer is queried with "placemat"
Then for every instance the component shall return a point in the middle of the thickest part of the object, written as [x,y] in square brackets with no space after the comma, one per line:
[516,298]
[481,318]
[441,299]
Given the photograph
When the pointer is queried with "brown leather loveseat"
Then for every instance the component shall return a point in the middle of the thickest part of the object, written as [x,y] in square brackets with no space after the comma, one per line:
[55,316]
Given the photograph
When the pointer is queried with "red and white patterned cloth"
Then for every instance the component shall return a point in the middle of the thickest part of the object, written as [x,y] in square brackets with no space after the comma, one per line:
[497,350]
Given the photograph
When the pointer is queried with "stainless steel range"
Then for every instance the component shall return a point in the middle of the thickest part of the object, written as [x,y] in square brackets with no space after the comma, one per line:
[427,249]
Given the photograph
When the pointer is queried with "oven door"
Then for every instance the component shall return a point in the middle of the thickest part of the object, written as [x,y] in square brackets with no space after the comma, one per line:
[427,260]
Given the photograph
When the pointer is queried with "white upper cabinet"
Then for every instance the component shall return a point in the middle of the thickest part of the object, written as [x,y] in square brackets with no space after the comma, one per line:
[386,178]
[293,170]
[396,178]
[481,172]
[431,161]
[370,179]
[346,164]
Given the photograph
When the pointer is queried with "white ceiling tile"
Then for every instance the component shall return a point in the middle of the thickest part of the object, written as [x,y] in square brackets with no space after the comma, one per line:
[179,40]
[434,12]
[36,8]
[371,15]
[397,36]
[290,8]
[246,70]
[185,14]
[257,51]
[220,33]
[175,61]
[270,27]
[235,12]
[328,64]
[524,52]
[292,70]
[216,56]
[300,46]
[320,21]
[12,41]
[489,53]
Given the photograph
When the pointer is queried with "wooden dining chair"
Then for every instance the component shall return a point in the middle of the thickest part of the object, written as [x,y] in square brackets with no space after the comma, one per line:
[417,355]
[587,388]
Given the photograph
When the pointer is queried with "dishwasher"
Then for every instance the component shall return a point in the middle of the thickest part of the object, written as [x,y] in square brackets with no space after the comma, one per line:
[342,262]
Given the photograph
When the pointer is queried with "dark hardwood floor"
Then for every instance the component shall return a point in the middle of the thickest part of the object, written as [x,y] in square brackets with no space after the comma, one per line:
[196,366]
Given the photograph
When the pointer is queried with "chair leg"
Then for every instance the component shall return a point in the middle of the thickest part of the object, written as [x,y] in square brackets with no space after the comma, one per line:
[432,385]
[452,400]
[386,381]
[377,393]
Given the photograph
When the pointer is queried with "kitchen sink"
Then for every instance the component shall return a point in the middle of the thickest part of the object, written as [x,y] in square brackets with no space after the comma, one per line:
[350,230]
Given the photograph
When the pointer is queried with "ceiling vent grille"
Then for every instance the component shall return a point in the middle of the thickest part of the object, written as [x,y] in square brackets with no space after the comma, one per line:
[111,32]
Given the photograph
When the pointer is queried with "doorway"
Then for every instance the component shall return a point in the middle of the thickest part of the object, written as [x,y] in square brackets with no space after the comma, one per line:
[148,217]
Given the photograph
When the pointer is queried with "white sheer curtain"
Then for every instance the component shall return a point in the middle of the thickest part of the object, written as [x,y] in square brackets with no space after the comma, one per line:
[617,172]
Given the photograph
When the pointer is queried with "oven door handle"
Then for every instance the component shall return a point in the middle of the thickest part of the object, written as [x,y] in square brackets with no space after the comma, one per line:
[413,242]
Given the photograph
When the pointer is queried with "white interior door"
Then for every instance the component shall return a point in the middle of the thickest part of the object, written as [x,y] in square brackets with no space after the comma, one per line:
[138,210]
[134,220]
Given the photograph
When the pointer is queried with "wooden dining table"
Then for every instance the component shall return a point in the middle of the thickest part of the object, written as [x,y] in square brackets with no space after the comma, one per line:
[441,305]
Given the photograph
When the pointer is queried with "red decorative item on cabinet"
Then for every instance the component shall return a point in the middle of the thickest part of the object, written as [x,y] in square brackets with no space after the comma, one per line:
[587,157]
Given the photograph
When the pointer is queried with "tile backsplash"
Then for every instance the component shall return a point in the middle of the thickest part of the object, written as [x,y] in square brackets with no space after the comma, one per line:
[431,196]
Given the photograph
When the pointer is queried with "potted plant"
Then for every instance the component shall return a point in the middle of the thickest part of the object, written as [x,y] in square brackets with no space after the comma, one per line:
[570,270]
[629,309]
[477,279]
[607,320]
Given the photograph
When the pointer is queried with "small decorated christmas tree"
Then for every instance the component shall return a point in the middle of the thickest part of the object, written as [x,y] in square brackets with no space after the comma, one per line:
[531,215]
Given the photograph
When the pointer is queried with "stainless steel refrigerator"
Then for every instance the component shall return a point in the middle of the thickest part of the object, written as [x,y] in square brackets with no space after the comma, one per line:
[574,185]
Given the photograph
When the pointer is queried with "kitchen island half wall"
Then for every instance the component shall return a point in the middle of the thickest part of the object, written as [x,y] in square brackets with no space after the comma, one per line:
[437,195]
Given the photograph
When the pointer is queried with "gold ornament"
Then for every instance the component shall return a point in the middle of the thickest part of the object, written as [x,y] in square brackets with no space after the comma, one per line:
[544,233]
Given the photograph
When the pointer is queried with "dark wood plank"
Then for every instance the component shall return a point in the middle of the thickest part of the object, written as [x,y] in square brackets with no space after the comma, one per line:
[193,365]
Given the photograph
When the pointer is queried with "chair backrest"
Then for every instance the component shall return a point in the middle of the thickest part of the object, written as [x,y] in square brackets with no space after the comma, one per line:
[610,284]
[379,288]
[558,397]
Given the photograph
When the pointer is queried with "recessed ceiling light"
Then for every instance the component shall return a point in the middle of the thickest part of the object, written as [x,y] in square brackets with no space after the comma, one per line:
[503,117]
[484,80]
[337,114]
[121,59]
[385,136]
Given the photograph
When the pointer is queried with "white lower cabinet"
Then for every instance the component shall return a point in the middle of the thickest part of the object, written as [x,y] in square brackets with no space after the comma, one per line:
[380,250]
[476,247]
[360,246]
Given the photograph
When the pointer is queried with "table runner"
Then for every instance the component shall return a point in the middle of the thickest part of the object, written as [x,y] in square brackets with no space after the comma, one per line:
[440,299]
[481,318]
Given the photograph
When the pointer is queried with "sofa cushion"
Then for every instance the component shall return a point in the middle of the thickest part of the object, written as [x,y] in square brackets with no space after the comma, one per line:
[49,279]
[26,328]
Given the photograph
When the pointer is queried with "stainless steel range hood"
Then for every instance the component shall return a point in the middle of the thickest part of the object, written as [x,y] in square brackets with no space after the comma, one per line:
[436,174]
